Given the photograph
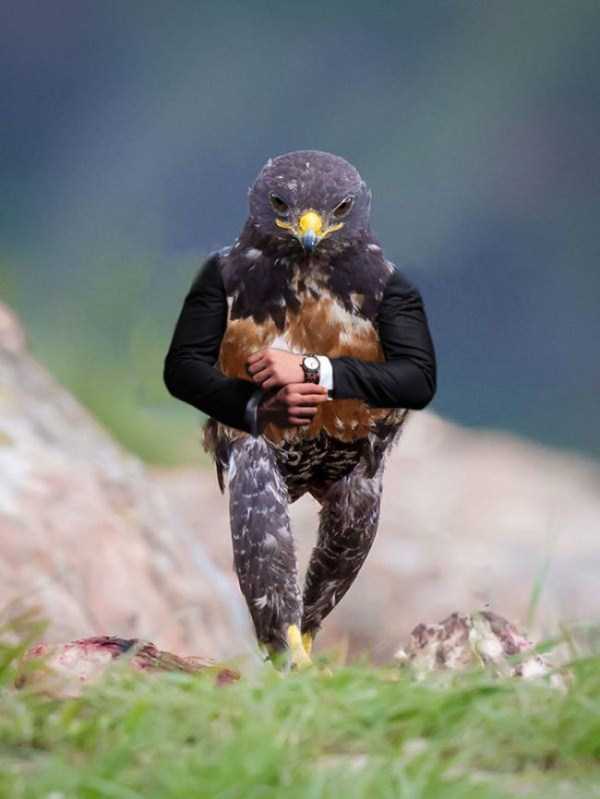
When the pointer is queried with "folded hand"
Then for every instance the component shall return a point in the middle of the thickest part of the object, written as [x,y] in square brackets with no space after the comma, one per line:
[294,404]
[272,367]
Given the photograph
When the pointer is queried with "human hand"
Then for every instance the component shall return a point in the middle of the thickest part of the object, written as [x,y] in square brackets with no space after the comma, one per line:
[292,405]
[272,367]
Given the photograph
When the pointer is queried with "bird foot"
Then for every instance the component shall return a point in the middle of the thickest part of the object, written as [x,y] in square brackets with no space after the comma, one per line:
[299,656]
[307,641]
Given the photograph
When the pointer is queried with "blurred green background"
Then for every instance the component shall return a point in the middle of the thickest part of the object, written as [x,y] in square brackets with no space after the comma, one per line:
[131,131]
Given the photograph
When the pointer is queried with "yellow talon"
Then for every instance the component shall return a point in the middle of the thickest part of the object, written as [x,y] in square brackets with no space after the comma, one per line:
[300,658]
[307,640]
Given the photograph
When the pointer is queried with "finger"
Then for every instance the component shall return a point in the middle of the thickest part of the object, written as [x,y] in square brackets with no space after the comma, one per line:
[309,388]
[260,376]
[256,355]
[256,365]
[307,399]
[270,383]
[302,410]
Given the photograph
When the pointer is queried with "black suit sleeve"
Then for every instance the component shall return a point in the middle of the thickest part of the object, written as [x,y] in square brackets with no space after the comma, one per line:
[190,373]
[407,378]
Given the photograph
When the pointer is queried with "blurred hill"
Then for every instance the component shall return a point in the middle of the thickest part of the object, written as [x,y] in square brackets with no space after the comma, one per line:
[107,546]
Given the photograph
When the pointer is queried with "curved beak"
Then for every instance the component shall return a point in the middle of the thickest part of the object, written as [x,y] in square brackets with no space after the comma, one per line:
[309,240]
[310,230]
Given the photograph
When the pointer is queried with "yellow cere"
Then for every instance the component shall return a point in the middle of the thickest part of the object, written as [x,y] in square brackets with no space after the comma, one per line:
[333,228]
[310,220]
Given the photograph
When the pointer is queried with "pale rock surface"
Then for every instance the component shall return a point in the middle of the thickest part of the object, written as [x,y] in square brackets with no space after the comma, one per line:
[87,536]
[62,670]
[476,640]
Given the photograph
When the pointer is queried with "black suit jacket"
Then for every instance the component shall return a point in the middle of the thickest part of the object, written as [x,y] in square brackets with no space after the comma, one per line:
[406,379]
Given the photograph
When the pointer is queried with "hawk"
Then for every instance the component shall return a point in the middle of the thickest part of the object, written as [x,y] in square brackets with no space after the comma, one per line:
[307,349]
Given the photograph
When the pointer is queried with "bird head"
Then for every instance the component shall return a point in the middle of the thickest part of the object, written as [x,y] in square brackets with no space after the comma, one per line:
[310,198]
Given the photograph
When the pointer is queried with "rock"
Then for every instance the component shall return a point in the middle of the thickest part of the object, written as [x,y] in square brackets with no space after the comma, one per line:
[61,670]
[87,536]
[12,335]
[463,641]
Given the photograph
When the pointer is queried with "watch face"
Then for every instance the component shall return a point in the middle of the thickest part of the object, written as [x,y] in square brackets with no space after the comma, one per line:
[311,363]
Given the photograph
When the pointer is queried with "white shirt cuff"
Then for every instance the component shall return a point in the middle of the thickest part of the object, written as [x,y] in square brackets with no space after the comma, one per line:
[326,372]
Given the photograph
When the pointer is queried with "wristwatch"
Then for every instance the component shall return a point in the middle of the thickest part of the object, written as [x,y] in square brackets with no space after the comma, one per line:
[311,367]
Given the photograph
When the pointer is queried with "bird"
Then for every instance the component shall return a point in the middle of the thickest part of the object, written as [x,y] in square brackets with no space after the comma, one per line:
[306,282]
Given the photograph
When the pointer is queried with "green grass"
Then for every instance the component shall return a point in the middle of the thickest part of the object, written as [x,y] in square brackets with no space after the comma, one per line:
[362,732]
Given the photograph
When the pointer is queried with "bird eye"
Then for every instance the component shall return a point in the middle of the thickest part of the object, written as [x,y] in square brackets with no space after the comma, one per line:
[343,208]
[279,205]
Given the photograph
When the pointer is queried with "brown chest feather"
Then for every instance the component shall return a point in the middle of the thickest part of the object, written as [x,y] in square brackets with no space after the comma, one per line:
[323,326]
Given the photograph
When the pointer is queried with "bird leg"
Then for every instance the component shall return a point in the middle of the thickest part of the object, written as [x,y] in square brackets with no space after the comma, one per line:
[307,640]
[294,656]
[299,656]
[348,522]
[263,548]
